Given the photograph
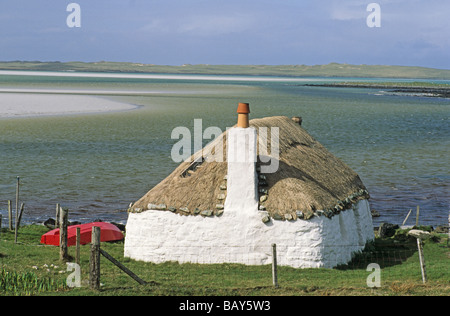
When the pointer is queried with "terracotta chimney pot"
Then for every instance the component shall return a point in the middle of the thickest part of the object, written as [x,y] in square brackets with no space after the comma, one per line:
[243,111]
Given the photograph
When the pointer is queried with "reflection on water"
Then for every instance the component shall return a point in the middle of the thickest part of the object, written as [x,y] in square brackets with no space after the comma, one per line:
[97,164]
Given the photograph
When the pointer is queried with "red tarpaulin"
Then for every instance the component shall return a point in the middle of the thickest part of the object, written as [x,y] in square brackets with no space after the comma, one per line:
[108,232]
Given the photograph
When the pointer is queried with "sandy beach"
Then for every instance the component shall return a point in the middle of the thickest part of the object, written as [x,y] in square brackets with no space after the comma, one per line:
[30,104]
[204,77]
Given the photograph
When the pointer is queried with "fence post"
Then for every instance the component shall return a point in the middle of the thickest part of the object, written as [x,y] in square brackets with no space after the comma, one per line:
[63,251]
[57,216]
[422,260]
[274,265]
[10,215]
[17,210]
[94,261]
[122,267]
[406,218]
[17,223]
[22,206]
[417,216]
[16,229]
[17,199]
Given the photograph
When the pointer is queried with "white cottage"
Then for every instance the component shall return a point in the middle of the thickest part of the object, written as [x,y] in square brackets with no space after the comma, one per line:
[275,185]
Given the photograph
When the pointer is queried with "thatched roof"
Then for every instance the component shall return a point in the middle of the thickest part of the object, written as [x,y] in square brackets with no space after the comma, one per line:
[309,180]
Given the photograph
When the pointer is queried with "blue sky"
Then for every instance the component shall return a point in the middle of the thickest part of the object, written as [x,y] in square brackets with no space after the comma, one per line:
[176,32]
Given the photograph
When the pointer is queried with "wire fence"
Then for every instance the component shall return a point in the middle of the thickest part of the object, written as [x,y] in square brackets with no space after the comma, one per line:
[367,269]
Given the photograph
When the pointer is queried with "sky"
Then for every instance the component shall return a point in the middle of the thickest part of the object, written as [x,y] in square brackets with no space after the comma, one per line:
[234,32]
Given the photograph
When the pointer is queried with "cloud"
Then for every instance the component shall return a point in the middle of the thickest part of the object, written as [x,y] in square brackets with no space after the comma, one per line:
[347,11]
[200,25]
[155,26]
[216,24]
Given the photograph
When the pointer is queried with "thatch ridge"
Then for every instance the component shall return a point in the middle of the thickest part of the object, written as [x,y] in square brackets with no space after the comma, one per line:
[309,179]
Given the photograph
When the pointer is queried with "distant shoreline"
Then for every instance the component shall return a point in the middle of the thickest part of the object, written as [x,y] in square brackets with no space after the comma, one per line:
[414,89]
[332,70]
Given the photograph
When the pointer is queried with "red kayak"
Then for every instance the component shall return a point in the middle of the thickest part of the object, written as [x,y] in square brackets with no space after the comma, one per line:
[108,232]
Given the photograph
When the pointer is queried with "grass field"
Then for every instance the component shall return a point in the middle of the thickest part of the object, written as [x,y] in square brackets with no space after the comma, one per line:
[35,269]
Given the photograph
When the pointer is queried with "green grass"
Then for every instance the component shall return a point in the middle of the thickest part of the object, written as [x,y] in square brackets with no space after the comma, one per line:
[400,272]
[27,283]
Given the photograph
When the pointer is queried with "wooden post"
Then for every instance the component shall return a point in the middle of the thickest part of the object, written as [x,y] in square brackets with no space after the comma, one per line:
[63,249]
[20,215]
[10,215]
[17,224]
[274,265]
[17,198]
[417,216]
[122,267]
[15,231]
[422,260]
[17,210]
[0,224]
[77,256]
[57,216]
[406,218]
[94,261]
[16,228]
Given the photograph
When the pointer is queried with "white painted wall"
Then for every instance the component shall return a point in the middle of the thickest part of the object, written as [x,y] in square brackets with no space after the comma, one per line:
[159,236]
[239,235]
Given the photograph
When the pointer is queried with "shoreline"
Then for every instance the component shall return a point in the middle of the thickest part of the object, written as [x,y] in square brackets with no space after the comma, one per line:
[436,91]
[119,215]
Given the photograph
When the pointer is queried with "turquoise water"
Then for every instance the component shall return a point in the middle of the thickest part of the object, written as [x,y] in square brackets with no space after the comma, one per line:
[97,164]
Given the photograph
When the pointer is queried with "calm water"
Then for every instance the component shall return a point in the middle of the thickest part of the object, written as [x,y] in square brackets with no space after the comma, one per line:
[97,164]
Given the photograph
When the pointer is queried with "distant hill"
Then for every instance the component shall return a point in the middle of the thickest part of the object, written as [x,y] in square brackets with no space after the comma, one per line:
[329,70]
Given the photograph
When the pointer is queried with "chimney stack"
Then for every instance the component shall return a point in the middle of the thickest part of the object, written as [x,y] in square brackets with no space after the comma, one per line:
[243,111]
[242,179]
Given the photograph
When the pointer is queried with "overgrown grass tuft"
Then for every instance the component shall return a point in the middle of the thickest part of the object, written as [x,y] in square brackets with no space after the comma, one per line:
[27,283]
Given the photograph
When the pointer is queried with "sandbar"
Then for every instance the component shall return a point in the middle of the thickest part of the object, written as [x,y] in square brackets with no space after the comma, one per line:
[204,77]
[14,105]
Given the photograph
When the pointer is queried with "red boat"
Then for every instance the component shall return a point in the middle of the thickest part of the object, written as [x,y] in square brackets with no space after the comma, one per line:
[108,232]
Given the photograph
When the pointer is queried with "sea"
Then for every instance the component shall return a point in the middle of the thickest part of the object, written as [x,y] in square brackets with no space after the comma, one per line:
[96,164]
